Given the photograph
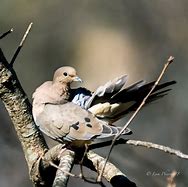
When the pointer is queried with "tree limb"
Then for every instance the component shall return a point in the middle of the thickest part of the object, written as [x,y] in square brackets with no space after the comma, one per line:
[65,166]
[157,146]
[15,99]
[19,109]
[143,144]
[111,173]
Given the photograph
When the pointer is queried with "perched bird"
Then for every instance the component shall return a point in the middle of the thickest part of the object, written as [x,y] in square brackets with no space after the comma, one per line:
[79,116]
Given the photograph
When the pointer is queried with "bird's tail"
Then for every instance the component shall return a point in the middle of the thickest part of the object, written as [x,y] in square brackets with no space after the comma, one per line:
[110,131]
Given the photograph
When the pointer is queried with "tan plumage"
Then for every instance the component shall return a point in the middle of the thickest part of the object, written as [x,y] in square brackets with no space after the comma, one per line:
[80,116]
[63,120]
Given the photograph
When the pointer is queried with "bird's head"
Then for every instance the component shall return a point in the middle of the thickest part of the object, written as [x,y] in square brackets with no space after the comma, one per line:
[66,75]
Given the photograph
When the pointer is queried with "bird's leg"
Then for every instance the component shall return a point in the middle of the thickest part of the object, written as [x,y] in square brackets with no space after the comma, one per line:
[82,160]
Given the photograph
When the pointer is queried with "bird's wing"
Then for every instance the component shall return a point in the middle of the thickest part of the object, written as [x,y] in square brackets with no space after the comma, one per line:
[128,99]
[86,99]
[105,92]
[111,102]
[80,96]
[69,122]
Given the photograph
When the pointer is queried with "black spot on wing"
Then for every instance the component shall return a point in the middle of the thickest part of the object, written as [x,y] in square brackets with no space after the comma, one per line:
[75,125]
[89,125]
[87,119]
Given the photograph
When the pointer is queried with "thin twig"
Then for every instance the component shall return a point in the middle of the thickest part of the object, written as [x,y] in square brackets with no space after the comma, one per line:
[82,176]
[21,44]
[6,33]
[66,172]
[151,145]
[169,61]
[82,160]
[163,148]
[159,147]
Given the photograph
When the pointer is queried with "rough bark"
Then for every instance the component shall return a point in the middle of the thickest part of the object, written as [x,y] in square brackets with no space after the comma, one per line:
[19,109]
[111,173]
[65,166]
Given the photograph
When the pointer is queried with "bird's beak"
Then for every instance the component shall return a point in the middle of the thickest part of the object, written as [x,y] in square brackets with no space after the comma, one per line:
[77,79]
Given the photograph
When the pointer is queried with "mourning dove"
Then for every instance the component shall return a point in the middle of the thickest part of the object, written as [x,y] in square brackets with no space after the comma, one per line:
[78,115]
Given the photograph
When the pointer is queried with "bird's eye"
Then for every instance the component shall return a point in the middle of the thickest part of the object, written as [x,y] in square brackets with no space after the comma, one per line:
[65,74]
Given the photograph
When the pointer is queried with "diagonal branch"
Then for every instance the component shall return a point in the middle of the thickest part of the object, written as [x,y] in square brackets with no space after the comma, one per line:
[159,147]
[149,145]
[19,109]
[91,160]
[21,44]
[111,173]
[34,146]
[169,61]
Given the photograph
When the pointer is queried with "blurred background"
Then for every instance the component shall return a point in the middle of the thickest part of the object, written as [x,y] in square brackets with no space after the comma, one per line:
[103,39]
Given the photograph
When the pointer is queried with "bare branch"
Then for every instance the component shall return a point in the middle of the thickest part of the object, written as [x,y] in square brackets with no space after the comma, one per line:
[33,144]
[63,173]
[82,160]
[111,173]
[19,109]
[6,33]
[64,168]
[52,155]
[169,61]
[93,162]
[89,180]
[143,144]
[60,154]
[21,44]
[159,147]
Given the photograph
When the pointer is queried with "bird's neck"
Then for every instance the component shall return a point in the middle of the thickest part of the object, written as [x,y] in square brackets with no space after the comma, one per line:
[62,90]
